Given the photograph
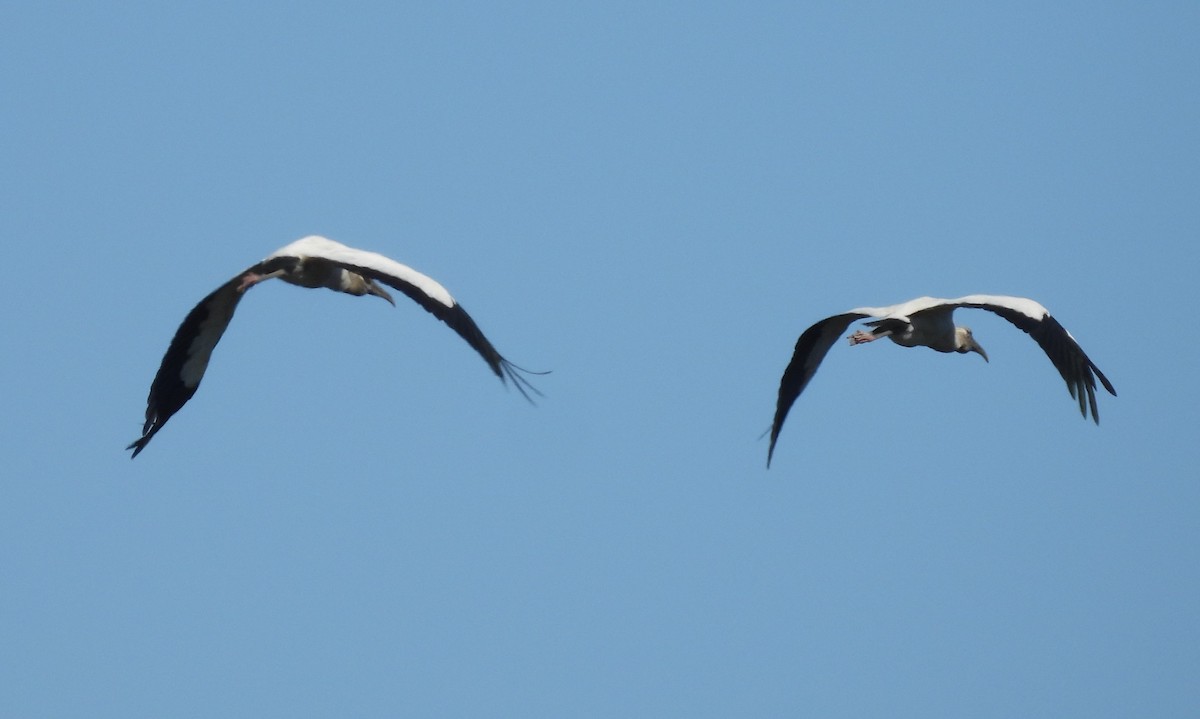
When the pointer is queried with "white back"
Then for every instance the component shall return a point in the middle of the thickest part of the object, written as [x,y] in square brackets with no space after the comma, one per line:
[317,246]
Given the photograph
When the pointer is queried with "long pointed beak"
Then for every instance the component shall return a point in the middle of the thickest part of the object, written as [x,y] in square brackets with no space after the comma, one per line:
[380,292]
[976,348]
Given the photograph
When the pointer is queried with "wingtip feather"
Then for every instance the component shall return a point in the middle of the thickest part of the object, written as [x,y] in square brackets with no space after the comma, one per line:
[510,371]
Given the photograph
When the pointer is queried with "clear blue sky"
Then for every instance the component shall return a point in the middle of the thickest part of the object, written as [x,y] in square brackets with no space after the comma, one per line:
[354,518]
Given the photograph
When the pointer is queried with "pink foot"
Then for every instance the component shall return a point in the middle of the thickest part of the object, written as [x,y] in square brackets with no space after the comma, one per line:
[249,280]
[861,337]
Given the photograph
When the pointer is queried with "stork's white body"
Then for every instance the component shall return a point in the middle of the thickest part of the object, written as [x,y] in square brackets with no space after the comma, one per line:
[325,262]
[311,262]
[929,322]
[933,329]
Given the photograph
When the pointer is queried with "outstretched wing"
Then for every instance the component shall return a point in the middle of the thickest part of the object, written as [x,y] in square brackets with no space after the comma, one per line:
[187,356]
[1076,368]
[423,290]
[811,349]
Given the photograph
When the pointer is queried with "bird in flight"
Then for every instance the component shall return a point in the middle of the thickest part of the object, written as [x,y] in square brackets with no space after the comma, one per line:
[929,322]
[308,262]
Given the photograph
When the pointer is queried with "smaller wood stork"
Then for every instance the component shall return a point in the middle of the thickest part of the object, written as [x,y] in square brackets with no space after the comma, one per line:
[308,262]
[928,322]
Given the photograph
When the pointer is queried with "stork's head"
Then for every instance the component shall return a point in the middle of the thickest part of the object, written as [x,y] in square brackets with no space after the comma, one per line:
[373,288]
[965,342]
[353,283]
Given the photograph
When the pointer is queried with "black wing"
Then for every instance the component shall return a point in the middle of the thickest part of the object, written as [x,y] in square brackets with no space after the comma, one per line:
[187,357]
[457,319]
[1076,368]
[811,349]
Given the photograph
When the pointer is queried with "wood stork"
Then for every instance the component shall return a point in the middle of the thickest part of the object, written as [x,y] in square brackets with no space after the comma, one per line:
[308,262]
[928,322]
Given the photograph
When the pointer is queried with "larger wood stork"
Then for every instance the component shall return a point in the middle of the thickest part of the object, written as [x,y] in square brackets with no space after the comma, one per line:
[308,262]
[928,322]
